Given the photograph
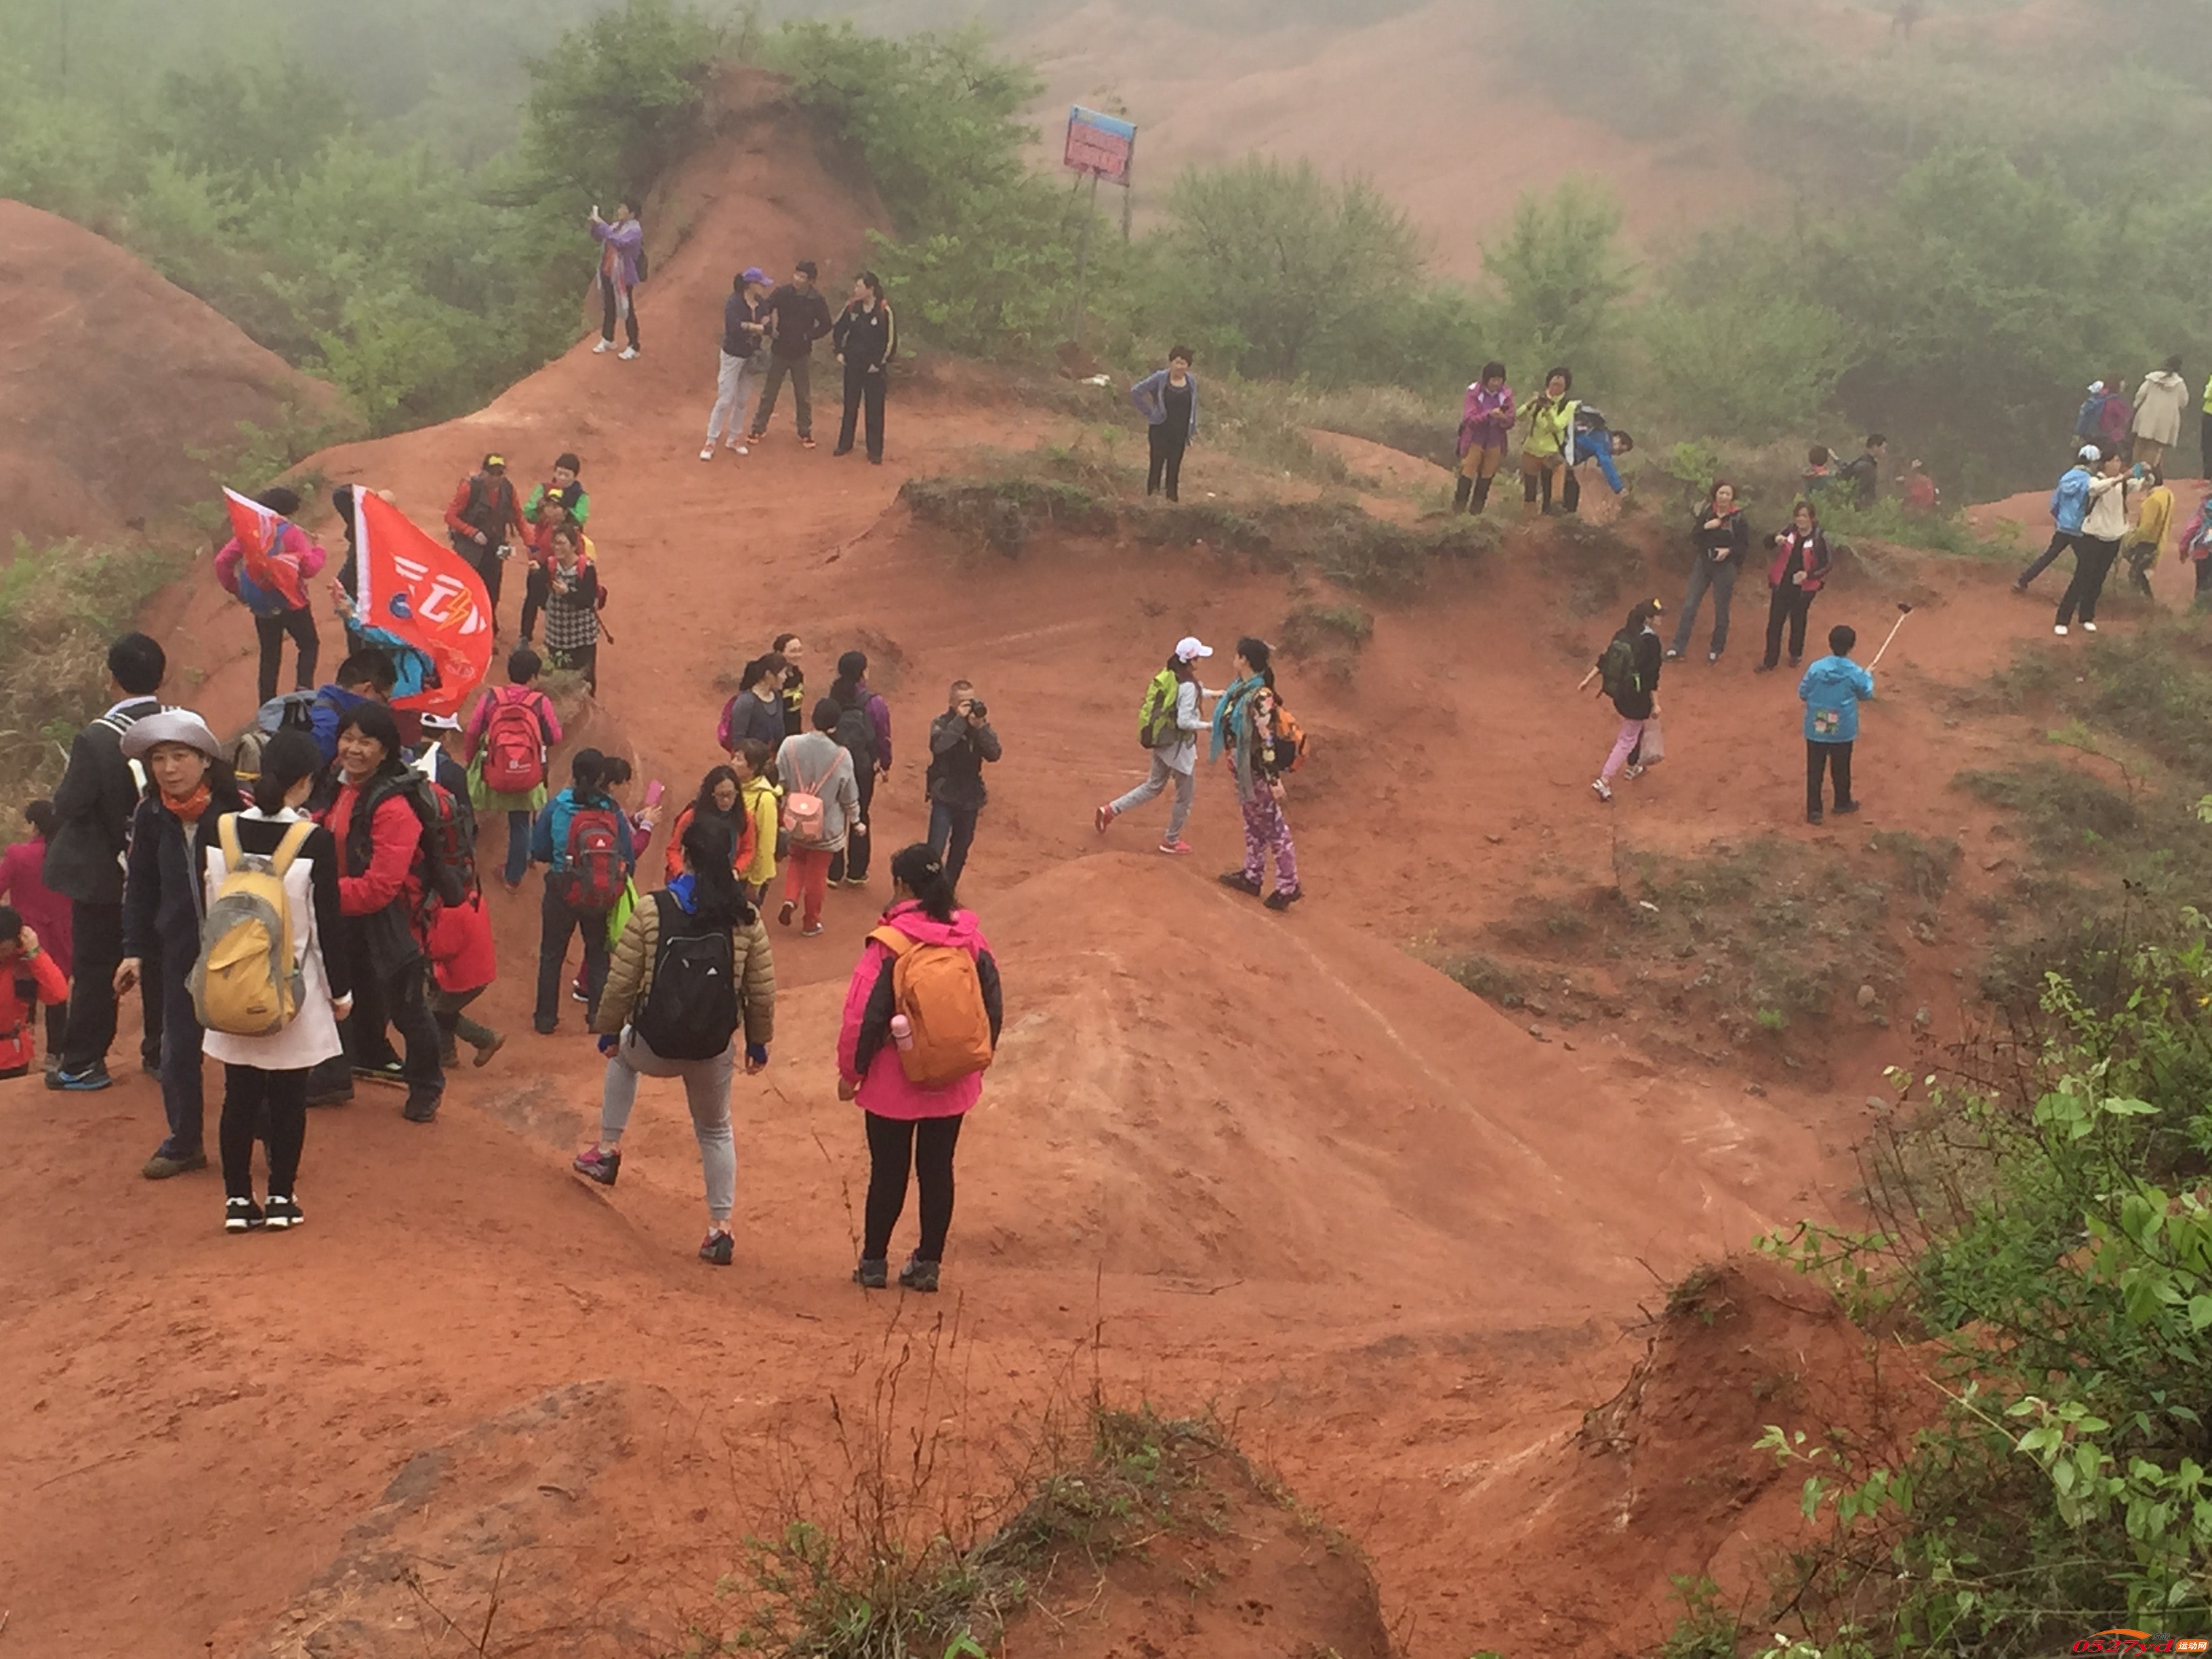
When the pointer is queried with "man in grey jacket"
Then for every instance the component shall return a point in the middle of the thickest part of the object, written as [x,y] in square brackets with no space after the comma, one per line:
[93,806]
[960,741]
[1175,755]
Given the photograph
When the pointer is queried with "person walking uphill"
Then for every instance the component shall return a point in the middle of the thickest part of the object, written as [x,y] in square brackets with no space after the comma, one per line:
[277,851]
[1168,724]
[2069,504]
[798,317]
[275,590]
[1799,567]
[1244,726]
[583,838]
[621,268]
[1832,691]
[1485,427]
[865,336]
[1168,399]
[864,731]
[163,907]
[2158,405]
[961,742]
[692,966]
[2102,526]
[745,334]
[1722,542]
[1628,672]
[508,746]
[485,523]
[923,1011]
[820,811]
[94,805]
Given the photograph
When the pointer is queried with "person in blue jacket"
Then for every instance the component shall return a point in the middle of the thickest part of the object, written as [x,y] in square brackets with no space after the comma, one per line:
[1590,439]
[2069,505]
[1832,691]
[1168,399]
[367,675]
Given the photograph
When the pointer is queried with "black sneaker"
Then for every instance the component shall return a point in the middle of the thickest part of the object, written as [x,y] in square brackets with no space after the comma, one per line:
[872,1275]
[1844,808]
[1814,816]
[785,913]
[719,1249]
[1281,899]
[419,1109]
[919,1275]
[392,1072]
[284,1213]
[90,1080]
[241,1215]
[1240,881]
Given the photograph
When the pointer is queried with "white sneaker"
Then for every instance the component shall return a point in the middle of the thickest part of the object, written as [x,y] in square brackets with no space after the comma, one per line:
[604,345]
[2059,629]
[1603,789]
[739,449]
[2088,628]
[708,453]
[627,353]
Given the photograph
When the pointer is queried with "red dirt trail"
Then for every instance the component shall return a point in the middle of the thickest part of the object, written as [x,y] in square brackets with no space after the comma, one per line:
[1274,1163]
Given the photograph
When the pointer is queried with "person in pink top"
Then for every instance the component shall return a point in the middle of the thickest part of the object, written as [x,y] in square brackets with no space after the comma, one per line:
[909,1125]
[277,592]
[44,911]
[1486,422]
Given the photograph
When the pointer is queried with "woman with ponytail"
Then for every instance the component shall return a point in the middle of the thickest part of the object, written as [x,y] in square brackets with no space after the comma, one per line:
[668,1011]
[883,1044]
[579,818]
[265,1079]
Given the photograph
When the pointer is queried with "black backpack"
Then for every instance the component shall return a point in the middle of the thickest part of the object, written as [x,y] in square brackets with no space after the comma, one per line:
[691,1011]
[856,734]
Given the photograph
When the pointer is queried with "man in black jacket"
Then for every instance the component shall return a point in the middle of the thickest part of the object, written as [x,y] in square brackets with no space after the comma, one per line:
[960,740]
[93,807]
[867,338]
[798,317]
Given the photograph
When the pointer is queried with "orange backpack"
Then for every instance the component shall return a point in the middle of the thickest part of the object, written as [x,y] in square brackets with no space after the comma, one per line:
[936,987]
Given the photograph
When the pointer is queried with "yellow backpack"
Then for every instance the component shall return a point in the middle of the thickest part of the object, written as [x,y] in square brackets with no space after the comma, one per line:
[247,982]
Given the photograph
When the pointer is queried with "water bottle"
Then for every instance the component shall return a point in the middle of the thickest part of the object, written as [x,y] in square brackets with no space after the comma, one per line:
[901,1031]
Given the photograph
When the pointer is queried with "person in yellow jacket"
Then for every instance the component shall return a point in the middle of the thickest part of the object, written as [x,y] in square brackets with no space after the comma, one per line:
[2148,535]
[1548,425]
[762,792]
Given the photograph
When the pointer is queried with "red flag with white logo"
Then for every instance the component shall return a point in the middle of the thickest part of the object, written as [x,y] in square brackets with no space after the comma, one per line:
[269,544]
[423,593]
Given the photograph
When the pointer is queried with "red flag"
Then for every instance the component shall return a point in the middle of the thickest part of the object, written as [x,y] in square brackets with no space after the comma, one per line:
[423,593]
[268,542]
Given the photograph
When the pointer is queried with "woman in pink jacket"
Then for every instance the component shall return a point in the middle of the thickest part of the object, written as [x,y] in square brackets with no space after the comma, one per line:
[1486,422]
[909,1125]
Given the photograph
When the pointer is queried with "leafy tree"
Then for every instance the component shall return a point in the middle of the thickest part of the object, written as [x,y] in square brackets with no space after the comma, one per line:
[620,99]
[1290,257]
[1736,351]
[1562,273]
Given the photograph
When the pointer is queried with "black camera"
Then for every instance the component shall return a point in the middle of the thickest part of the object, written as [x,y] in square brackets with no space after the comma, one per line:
[977,709]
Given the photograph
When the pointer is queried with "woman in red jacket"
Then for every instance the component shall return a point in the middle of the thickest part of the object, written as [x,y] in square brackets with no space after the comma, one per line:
[379,838]
[1800,567]
[28,977]
[44,911]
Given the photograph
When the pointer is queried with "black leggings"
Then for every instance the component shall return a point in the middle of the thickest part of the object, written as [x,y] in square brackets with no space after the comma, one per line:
[894,1144]
[1790,607]
[271,630]
[259,1105]
[1836,759]
[1167,447]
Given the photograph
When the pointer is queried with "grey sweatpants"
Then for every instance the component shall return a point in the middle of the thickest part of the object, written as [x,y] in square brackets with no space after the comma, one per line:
[706,1086]
[731,384]
[1162,774]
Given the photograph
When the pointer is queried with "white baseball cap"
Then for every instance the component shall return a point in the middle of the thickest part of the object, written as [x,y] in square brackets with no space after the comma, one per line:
[1190,648]
[2091,453]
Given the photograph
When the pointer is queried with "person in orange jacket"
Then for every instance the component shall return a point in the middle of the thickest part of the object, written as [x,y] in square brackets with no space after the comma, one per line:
[28,977]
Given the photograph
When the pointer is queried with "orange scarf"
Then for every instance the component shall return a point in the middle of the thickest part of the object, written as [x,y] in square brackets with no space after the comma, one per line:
[191,807]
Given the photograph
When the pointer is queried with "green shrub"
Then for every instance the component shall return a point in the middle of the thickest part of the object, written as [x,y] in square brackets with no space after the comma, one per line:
[619,100]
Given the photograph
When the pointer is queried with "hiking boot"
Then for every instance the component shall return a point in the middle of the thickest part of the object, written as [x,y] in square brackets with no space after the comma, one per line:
[1602,789]
[1845,808]
[1175,848]
[241,1215]
[90,1080]
[719,1249]
[420,1109]
[784,915]
[165,1163]
[486,1050]
[1240,881]
[283,1213]
[919,1275]
[872,1274]
[1814,816]
[1283,898]
[1101,817]
[628,354]
[599,1163]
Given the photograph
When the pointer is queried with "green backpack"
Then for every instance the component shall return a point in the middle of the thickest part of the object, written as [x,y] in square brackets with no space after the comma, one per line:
[1617,668]
[1156,716]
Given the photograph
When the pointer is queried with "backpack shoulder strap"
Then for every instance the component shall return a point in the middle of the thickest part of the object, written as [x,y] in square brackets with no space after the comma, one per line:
[226,829]
[892,940]
[287,849]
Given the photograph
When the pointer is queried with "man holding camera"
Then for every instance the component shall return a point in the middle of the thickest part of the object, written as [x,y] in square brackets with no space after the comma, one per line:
[960,740]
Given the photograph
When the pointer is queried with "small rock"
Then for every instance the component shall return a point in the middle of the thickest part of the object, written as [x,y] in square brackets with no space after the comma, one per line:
[1958,973]
[1877,1102]
[1883,1020]
[1495,841]
[1755,1089]
[1537,1032]
[1994,864]
[1922,1017]
[1922,932]
[1569,1047]
[1866,996]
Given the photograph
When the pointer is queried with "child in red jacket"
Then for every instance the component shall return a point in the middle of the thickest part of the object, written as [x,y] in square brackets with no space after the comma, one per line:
[463,963]
[28,977]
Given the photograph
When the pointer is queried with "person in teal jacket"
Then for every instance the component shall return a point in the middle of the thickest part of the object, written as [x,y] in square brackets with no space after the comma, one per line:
[2069,505]
[1833,688]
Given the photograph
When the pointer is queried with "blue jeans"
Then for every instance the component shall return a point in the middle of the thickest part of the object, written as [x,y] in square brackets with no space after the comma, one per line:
[1719,578]
[951,833]
[183,1099]
[517,848]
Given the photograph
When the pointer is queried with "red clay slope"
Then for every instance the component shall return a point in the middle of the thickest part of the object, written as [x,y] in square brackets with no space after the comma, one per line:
[110,378]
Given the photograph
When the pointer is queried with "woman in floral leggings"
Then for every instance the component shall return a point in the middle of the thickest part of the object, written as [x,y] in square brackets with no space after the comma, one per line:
[1245,725]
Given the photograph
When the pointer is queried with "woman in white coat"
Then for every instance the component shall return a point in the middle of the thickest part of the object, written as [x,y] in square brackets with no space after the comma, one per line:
[266,1077]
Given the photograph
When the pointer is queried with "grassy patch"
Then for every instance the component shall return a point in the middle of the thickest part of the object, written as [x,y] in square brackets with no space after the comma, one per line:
[60,606]
[1323,630]
[1003,513]
[1596,563]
